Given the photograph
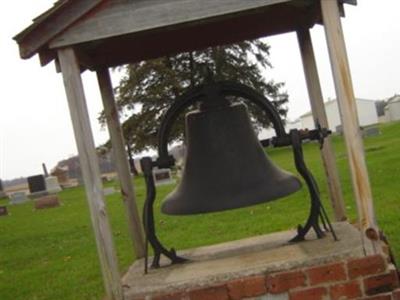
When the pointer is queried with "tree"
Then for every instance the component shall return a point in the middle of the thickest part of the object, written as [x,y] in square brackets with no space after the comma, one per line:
[148,88]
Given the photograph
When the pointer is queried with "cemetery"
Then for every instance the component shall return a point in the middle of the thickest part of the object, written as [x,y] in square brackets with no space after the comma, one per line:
[334,245]
[61,241]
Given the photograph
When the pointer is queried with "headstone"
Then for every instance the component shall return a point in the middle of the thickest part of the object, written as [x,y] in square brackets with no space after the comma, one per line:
[3,211]
[79,179]
[2,192]
[108,191]
[18,198]
[105,179]
[47,202]
[62,176]
[339,129]
[52,185]
[37,186]
[162,176]
[371,131]
[46,174]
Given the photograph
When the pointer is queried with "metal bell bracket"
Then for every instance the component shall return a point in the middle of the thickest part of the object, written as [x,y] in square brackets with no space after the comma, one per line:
[230,89]
[317,211]
[147,166]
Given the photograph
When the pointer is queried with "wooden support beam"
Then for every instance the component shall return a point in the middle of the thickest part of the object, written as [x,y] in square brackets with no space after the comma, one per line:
[319,115]
[91,172]
[118,145]
[349,116]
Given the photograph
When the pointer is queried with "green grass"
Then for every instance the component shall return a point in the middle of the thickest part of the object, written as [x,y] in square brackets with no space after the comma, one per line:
[51,254]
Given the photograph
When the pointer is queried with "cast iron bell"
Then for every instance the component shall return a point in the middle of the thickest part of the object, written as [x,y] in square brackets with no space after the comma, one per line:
[225,165]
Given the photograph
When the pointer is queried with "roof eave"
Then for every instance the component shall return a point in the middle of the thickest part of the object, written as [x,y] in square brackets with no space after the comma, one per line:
[64,13]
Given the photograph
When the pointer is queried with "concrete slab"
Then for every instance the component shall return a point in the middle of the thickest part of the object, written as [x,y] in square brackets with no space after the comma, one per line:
[253,256]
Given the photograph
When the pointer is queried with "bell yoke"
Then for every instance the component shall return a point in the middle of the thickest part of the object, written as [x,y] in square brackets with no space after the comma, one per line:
[225,165]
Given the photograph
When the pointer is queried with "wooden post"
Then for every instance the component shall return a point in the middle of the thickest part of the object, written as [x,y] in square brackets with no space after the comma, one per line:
[91,173]
[319,115]
[118,144]
[349,116]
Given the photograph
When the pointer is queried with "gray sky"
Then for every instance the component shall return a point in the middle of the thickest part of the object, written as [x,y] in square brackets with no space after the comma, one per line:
[35,126]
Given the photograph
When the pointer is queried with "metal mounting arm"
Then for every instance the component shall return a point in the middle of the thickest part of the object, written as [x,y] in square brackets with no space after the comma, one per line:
[230,89]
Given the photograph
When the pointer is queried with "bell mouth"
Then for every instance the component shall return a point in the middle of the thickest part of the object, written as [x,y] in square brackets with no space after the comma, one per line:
[178,204]
[225,165]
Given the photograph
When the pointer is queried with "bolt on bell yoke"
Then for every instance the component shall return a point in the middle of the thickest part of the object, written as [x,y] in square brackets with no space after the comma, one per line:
[225,166]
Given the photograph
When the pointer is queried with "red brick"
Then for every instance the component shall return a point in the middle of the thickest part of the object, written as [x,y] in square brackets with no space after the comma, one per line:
[282,282]
[396,295]
[381,283]
[368,265]
[317,293]
[378,297]
[326,273]
[171,296]
[247,287]
[212,293]
[348,290]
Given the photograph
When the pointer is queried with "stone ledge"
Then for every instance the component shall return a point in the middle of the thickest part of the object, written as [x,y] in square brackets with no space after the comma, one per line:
[212,265]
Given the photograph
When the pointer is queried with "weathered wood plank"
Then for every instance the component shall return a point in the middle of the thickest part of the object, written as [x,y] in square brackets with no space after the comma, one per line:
[319,115]
[349,116]
[42,31]
[121,160]
[121,17]
[91,173]
[169,41]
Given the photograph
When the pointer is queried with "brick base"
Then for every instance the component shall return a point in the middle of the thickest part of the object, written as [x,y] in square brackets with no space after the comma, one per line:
[368,278]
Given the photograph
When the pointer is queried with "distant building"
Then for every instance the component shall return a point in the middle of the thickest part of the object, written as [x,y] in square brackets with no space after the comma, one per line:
[367,114]
[392,109]
[380,109]
[267,133]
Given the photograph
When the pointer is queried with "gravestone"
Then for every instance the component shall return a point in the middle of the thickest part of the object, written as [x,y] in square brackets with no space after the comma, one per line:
[62,176]
[2,193]
[339,129]
[162,176]
[18,198]
[371,131]
[108,191]
[79,178]
[47,202]
[52,185]
[37,186]
[105,179]
[3,211]
[45,172]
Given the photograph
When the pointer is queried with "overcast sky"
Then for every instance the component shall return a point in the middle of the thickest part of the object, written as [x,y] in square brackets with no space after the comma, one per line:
[35,126]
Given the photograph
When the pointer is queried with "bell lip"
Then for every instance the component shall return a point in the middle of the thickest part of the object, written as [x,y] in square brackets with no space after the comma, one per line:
[294,187]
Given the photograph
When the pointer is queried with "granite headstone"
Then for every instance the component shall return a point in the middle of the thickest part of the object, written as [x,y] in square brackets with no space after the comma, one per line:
[371,131]
[52,185]
[18,198]
[47,202]
[162,176]
[108,191]
[37,186]
[2,193]
[3,211]
[62,176]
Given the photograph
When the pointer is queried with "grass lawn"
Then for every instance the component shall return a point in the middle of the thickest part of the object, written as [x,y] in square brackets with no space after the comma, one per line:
[51,254]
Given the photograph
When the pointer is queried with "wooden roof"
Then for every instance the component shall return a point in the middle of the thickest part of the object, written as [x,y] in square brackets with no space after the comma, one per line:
[115,32]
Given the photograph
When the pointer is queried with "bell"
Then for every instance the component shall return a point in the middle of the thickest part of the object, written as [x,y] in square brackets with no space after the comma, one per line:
[225,165]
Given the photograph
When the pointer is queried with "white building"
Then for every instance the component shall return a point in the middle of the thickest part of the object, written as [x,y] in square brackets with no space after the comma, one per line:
[367,114]
[267,133]
[392,109]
